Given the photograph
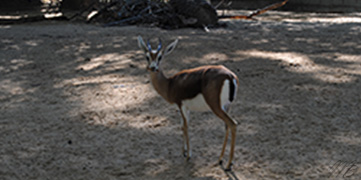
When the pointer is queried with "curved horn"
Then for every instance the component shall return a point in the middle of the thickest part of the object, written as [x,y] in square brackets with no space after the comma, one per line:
[149,46]
[159,45]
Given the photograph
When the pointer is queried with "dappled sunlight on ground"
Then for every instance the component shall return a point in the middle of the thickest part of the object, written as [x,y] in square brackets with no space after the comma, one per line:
[303,64]
[76,100]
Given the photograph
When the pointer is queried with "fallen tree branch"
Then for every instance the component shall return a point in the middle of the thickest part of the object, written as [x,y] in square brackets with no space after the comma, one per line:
[255,13]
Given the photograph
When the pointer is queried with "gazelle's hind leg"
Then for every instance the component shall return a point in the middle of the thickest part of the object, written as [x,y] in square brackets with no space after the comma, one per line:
[220,161]
[231,125]
[220,105]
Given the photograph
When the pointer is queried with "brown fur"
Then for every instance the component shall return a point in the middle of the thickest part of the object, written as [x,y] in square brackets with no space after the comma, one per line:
[191,82]
[187,84]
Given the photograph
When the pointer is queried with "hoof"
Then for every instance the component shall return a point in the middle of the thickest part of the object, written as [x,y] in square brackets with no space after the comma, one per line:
[228,169]
[185,155]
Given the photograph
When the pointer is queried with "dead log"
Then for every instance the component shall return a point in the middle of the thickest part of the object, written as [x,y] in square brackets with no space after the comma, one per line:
[255,13]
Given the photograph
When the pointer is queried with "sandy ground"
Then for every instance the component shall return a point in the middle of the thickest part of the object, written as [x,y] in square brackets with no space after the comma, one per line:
[76,102]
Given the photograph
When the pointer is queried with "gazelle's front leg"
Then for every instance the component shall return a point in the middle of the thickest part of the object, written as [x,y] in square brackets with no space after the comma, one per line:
[186,146]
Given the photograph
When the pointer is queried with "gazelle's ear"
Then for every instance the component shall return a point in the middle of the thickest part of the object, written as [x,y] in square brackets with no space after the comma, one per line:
[141,44]
[170,47]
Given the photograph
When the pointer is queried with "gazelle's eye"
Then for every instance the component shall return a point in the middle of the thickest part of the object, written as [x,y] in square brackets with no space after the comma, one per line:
[159,57]
[147,58]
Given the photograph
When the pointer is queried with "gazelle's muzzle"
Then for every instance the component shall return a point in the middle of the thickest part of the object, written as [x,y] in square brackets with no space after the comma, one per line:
[153,66]
[153,69]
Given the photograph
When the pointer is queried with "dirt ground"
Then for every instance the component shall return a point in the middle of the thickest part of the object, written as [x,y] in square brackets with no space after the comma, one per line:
[76,101]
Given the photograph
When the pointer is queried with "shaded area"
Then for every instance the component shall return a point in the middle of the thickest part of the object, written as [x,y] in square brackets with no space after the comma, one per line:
[76,103]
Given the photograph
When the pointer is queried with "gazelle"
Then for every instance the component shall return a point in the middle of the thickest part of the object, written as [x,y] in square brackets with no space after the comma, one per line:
[205,88]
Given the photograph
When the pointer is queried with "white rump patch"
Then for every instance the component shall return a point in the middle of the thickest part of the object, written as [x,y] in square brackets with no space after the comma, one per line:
[225,95]
[225,102]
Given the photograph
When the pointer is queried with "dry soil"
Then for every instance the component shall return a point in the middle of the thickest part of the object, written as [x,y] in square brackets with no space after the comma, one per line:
[76,101]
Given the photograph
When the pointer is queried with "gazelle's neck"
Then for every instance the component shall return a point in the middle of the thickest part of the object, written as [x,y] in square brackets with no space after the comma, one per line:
[160,83]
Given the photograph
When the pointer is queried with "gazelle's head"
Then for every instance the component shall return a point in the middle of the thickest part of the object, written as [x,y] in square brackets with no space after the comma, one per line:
[154,57]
